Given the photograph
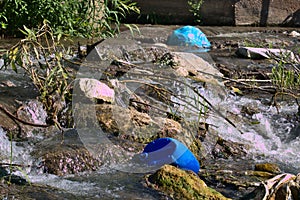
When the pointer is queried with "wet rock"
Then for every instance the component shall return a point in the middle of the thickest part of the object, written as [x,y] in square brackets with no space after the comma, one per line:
[262,174]
[16,187]
[268,167]
[250,109]
[196,68]
[69,159]
[138,126]
[109,49]
[32,118]
[155,94]
[181,184]
[32,111]
[153,53]
[182,72]
[226,149]
[105,117]
[11,178]
[117,69]
[202,70]
[95,89]
[126,123]
[197,149]
[140,104]
[66,155]
[171,128]
[232,177]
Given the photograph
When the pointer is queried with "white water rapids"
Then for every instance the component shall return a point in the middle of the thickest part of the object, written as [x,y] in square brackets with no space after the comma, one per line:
[271,138]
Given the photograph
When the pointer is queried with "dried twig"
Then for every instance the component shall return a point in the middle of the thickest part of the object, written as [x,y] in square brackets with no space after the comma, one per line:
[12,116]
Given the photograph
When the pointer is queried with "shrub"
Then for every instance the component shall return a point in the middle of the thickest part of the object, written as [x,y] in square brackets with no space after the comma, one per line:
[41,56]
[195,6]
[84,18]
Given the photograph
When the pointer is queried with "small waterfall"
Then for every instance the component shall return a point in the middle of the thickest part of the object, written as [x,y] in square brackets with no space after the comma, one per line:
[269,134]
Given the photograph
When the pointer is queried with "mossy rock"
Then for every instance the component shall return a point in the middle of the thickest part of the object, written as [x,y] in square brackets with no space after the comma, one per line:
[196,148]
[268,167]
[181,184]
[261,174]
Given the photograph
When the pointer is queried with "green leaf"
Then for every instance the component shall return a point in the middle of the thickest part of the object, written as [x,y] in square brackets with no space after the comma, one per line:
[14,67]
[29,32]
[236,90]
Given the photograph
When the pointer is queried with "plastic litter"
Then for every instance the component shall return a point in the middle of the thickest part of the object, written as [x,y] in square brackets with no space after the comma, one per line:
[188,36]
[169,151]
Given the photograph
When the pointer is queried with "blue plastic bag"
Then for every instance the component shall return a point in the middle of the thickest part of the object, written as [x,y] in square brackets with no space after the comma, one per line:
[170,151]
[188,36]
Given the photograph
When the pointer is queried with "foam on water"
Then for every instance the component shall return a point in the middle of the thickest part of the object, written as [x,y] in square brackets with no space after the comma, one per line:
[105,183]
[75,187]
[270,138]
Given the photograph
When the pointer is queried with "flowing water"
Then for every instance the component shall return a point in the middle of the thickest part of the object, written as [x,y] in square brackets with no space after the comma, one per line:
[273,137]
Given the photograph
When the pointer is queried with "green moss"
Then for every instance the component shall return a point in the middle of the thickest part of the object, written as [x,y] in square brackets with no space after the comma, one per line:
[182,184]
[268,167]
[196,148]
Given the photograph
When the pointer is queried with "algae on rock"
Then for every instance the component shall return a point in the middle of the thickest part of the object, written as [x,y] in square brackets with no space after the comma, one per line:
[181,184]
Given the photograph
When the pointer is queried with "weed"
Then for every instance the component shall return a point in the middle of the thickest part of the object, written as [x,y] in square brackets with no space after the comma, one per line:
[152,18]
[70,17]
[41,56]
[195,6]
[284,78]
[286,73]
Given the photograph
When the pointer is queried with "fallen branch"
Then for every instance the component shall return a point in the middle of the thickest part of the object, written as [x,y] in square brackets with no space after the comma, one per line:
[242,81]
[13,117]
[14,165]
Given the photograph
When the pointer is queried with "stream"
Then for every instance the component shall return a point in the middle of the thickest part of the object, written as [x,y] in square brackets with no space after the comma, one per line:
[271,136]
